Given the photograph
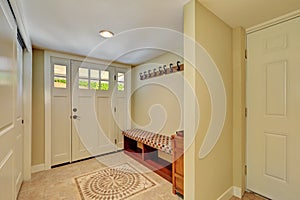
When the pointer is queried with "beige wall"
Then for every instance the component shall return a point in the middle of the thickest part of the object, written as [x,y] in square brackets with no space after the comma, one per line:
[165,93]
[38,108]
[215,173]
[189,103]
[239,100]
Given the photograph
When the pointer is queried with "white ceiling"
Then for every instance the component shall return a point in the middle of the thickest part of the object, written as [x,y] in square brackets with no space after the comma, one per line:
[248,13]
[72,25]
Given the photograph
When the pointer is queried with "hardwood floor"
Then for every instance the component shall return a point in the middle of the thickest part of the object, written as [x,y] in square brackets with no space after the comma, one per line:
[249,196]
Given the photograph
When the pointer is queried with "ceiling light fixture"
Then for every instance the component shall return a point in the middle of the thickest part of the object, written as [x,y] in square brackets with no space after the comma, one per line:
[106,34]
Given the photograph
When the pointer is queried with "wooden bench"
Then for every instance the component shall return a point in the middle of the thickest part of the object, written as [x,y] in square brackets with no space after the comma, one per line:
[143,146]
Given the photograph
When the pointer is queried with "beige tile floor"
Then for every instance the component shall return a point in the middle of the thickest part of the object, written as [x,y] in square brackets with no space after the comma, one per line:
[59,184]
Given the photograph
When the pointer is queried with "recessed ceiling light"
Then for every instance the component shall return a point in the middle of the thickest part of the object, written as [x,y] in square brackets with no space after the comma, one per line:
[106,34]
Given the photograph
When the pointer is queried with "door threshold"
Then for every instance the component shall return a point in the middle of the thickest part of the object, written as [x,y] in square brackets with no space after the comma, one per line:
[97,156]
[105,154]
[259,195]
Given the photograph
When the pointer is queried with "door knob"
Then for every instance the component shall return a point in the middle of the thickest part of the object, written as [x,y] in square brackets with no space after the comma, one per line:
[76,117]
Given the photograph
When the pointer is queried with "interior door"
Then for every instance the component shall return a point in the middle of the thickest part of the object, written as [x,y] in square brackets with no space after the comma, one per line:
[91,103]
[60,111]
[273,101]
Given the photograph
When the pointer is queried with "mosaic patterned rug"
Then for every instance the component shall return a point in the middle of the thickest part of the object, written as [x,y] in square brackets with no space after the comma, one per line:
[113,183]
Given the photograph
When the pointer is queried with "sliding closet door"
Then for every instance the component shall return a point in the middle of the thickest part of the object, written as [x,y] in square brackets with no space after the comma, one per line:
[60,111]
[11,105]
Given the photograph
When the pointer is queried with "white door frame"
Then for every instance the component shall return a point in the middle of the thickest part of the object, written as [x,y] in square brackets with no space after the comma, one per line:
[47,92]
[27,112]
[256,28]
[273,22]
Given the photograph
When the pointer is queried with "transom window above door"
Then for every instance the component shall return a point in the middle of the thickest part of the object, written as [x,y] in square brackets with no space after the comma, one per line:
[93,79]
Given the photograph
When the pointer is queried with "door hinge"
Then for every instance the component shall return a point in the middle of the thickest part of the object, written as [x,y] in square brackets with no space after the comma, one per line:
[246,112]
[22,121]
[246,54]
[115,141]
[115,77]
[115,109]
[245,169]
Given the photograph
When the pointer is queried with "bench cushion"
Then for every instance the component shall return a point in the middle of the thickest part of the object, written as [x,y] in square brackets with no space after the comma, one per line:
[155,140]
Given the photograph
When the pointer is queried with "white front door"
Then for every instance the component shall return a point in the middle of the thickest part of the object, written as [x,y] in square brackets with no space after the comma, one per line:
[93,123]
[85,107]
[273,101]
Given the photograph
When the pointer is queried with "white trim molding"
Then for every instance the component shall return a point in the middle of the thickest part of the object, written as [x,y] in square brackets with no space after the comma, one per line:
[8,14]
[47,94]
[17,8]
[232,191]
[27,110]
[37,168]
[227,194]
[237,192]
[274,21]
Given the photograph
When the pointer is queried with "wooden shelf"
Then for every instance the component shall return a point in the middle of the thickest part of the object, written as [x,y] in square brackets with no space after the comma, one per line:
[133,154]
[148,156]
[164,170]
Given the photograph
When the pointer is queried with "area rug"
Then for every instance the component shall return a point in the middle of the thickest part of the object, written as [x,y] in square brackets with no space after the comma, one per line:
[113,183]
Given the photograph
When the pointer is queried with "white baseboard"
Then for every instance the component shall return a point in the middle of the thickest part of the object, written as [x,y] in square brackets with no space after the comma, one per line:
[37,168]
[237,192]
[232,191]
[227,194]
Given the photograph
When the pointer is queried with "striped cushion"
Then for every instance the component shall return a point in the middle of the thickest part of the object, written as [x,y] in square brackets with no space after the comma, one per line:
[155,140]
